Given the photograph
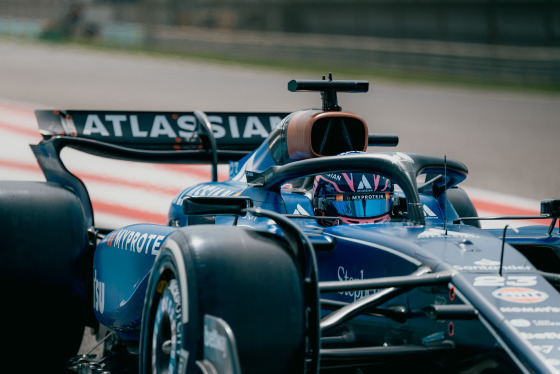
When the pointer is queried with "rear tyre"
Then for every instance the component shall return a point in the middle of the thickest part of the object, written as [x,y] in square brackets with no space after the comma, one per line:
[42,269]
[247,278]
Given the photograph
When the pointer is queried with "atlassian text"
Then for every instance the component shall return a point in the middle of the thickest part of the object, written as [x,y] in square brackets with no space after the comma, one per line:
[119,125]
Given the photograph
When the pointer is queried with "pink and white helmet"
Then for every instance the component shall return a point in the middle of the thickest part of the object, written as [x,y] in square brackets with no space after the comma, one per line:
[353,197]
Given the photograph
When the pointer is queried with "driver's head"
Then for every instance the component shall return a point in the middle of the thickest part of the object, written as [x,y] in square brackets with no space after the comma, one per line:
[353,197]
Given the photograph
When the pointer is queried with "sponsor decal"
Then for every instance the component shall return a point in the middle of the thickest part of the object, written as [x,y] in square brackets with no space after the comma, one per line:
[335,177]
[540,335]
[546,349]
[233,168]
[205,190]
[135,241]
[249,217]
[364,184]
[546,323]
[520,322]
[530,309]
[174,126]
[490,265]
[400,157]
[212,339]
[287,188]
[492,268]
[439,233]
[487,262]
[300,210]
[428,213]
[98,294]
[520,295]
[510,280]
[375,196]
[342,275]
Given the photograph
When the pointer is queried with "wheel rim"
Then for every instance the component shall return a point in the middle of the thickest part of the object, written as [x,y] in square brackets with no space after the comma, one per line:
[167,337]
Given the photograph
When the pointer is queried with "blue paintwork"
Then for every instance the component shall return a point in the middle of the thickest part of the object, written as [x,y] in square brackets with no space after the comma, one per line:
[529,325]
[121,266]
[518,309]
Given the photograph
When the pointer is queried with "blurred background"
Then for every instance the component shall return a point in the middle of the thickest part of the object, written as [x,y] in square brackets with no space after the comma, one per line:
[500,42]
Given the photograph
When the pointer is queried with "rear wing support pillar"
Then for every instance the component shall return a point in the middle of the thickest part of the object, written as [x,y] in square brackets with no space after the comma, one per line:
[48,157]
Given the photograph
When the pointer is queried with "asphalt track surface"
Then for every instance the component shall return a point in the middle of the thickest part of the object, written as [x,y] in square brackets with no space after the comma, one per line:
[509,141]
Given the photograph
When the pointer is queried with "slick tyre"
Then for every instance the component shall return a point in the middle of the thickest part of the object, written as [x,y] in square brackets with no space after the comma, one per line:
[247,278]
[42,262]
[463,205]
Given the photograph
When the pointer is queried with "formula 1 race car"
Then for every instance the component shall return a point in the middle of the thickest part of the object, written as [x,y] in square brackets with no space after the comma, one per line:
[315,255]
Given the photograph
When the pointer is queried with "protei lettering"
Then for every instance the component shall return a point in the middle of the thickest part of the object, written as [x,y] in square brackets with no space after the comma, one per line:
[135,241]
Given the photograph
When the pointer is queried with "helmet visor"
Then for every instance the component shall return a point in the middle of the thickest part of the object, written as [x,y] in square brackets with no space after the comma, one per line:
[358,205]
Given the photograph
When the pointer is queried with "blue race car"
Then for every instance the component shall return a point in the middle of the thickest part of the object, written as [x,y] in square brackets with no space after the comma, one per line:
[316,255]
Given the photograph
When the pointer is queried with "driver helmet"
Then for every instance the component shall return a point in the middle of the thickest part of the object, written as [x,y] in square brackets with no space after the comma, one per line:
[352,197]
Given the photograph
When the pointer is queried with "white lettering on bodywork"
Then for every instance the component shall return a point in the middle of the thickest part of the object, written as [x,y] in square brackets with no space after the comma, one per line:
[134,241]
[98,294]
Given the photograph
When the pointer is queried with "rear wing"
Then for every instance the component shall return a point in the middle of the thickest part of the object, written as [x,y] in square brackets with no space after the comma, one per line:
[237,131]
[160,130]
[160,137]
